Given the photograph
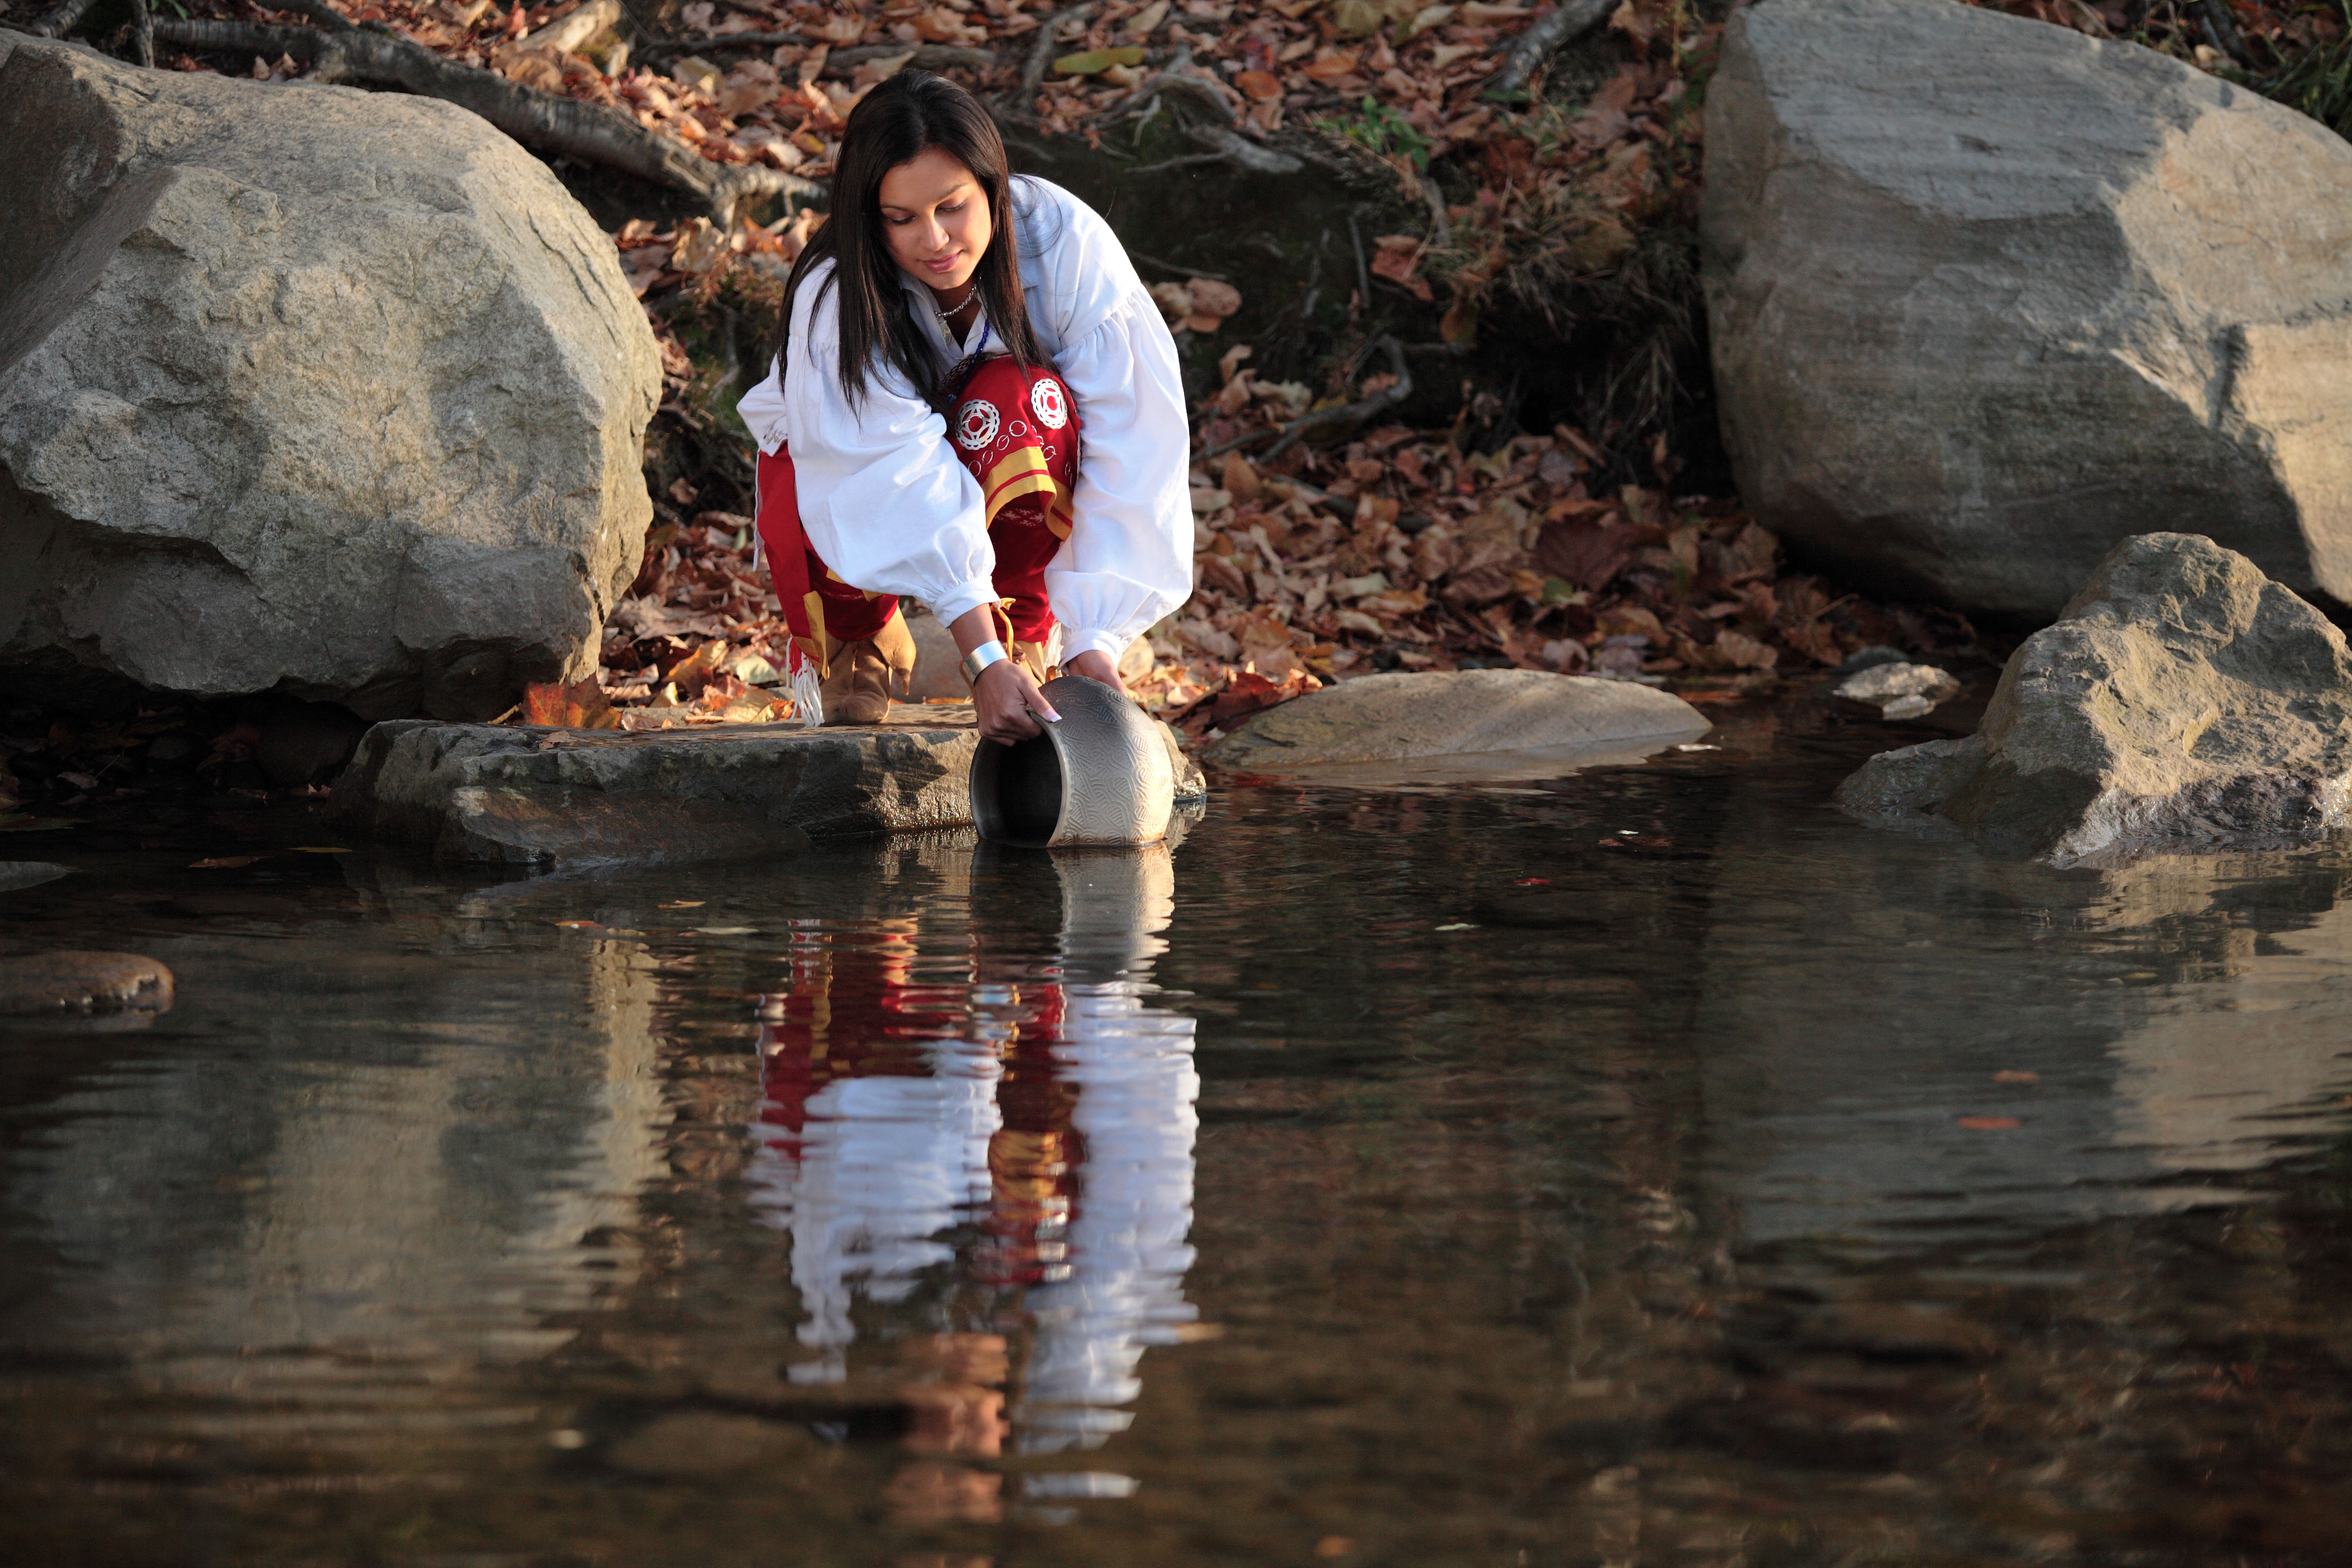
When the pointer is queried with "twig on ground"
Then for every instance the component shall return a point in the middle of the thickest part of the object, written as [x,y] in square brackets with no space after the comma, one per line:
[1337,415]
[567,127]
[1041,53]
[1442,225]
[1172,266]
[2213,19]
[1569,20]
[928,57]
[1363,272]
[143,33]
[723,41]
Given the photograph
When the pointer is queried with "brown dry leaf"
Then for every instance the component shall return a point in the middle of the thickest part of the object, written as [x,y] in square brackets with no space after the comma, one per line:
[1262,87]
[689,674]
[1332,63]
[1740,651]
[1239,480]
[580,706]
[1211,298]
[1398,259]
[225,862]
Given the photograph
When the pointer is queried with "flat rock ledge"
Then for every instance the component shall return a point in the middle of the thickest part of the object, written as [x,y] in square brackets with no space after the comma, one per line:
[499,795]
[1459,717]
[2183,700]
[489,793]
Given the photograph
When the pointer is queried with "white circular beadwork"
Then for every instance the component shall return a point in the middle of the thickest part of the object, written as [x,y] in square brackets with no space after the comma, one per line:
[976,424]
[1045,402]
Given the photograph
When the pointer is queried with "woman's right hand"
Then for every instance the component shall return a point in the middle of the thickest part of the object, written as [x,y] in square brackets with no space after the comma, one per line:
[1009,703]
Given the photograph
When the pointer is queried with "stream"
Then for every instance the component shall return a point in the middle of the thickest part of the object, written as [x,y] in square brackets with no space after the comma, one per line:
[1644,1166]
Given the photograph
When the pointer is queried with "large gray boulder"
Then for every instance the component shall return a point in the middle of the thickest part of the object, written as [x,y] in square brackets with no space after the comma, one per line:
[2182,698]
[302,389]
[1987,295]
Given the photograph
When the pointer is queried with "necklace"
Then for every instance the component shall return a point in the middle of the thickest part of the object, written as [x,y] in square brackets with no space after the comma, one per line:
[958,307]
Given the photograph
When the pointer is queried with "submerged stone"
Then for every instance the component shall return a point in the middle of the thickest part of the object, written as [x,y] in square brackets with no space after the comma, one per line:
[1405,717]
[77,982]
[2181,698]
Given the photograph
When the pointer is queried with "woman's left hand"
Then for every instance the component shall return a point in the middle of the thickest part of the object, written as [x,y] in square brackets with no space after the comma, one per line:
[1095,665]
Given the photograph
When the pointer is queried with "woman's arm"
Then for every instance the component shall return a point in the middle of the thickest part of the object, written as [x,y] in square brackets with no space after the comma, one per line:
[1128,560]
[882,498]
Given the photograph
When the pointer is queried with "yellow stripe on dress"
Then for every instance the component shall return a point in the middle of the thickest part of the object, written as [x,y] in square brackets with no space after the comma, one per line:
[1024,473]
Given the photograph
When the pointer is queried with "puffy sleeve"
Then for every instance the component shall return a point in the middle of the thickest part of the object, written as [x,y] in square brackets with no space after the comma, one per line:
[882,498]
[1129,560]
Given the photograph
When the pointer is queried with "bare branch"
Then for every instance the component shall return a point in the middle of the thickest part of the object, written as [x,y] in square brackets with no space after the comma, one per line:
[1339,416]
[1570,20]
[1041,53]
[723,41]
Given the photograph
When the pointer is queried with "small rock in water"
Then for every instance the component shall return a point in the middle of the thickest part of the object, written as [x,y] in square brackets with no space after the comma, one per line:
[2183,700]
[1900,691]
[73,982]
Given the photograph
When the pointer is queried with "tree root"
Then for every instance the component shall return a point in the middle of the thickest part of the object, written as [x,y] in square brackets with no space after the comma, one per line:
[927,56]
[62,20]
[543,121]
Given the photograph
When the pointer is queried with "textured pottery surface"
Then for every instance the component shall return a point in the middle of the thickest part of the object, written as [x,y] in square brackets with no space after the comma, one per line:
[1102,776]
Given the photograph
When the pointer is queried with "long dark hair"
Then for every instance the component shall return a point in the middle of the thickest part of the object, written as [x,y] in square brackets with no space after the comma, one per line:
[902,118]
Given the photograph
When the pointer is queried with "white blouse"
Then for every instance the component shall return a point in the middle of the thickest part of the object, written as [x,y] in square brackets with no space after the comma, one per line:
[890,510]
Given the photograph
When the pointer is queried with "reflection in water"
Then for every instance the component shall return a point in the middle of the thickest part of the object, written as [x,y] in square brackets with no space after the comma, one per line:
[989,1142]
[1582,1174]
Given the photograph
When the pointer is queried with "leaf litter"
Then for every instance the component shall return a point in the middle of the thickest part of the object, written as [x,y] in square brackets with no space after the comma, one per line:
[1401,549]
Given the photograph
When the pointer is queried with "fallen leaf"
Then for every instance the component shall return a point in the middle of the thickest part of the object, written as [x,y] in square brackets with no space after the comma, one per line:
[2015,1075]
[225,862]
[1458,925]
[578,925]
[682,904]
[1263,86]
[1989,1123]
[1532,883]
[320,849]
[1091,61]
[1331,63]
[580,706]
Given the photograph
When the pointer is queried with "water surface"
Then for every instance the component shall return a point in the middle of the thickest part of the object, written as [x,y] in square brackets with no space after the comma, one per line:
[1643,1166]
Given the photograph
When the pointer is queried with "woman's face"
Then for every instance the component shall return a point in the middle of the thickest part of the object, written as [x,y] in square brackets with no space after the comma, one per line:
[935,216]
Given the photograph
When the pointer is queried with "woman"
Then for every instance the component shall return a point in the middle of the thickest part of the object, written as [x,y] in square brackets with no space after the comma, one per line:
[945,338]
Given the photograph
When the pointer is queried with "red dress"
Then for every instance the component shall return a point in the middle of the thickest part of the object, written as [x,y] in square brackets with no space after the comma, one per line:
[1017,433]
